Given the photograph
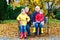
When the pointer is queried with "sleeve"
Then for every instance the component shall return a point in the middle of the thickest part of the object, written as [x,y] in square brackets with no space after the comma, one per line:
[36,17]
[28,18]
[32,17]
[18,18]
[42,18]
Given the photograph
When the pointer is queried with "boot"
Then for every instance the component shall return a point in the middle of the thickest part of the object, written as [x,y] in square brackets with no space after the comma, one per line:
[21,35]
[39,31]
[42,30]
[25,34]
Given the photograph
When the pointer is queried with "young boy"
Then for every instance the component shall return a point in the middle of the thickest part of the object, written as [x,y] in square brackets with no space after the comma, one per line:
[40,21]
[23,18]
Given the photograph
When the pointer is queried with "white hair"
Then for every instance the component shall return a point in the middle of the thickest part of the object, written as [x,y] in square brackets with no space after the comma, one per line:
[37,7]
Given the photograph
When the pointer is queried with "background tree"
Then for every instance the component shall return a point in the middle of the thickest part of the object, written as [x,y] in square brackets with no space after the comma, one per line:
[3,9]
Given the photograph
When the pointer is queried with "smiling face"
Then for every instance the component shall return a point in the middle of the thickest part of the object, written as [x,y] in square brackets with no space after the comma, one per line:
[37,8]
[26,9]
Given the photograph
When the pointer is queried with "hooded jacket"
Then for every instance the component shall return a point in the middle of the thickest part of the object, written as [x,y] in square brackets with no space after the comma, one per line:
[24,18]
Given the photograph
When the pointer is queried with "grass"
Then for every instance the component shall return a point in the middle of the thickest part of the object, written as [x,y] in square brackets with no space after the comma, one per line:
[15,21]
[9,21]
[54,21]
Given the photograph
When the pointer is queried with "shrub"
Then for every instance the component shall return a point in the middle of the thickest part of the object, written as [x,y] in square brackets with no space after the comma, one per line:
[58,14]
[3,9]
[12,14]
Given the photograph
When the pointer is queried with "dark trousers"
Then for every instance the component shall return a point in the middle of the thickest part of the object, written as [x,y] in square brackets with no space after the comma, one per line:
[28,27]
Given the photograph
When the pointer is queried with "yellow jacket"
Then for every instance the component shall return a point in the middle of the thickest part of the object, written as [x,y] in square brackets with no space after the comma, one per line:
[24,18]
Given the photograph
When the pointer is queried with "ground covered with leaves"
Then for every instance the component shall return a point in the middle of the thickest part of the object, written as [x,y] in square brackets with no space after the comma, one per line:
[11,29]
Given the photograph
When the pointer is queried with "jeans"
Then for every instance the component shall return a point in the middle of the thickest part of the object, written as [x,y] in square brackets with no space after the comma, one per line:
[28,29]
[22,28]
[40,25]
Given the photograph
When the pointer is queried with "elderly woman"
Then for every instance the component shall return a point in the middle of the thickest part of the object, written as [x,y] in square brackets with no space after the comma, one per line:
[29,23]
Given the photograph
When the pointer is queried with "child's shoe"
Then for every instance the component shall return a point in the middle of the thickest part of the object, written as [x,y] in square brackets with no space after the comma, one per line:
[25,34]
[42,30]
[21,35]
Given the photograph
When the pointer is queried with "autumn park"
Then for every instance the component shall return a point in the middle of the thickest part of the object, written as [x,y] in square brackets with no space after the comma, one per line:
[10,9]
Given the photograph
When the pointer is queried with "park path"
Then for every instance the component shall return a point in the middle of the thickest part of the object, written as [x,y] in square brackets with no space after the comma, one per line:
[51,37]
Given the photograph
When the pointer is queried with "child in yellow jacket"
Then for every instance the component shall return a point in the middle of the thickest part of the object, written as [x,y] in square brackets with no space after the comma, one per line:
[23,18]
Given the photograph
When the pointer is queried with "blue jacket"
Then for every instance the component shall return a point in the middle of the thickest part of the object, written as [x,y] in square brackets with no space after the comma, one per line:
[33,16]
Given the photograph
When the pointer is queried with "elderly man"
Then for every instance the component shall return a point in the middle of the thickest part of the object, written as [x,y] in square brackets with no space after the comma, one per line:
[37,10]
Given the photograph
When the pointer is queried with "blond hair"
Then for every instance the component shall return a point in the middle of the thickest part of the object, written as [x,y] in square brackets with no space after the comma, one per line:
[41,10]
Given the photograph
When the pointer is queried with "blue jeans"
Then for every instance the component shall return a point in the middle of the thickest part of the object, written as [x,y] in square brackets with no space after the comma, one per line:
[40,25]
[28,29]
[22,28]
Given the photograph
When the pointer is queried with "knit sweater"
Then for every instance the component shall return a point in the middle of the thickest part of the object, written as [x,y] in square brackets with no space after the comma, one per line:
[39,17]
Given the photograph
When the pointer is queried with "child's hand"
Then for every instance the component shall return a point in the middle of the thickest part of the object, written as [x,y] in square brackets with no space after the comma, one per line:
[38,21]
[26,21]
[20,22]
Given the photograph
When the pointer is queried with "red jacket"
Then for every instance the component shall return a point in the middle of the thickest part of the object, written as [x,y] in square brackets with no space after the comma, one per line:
[39,17]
